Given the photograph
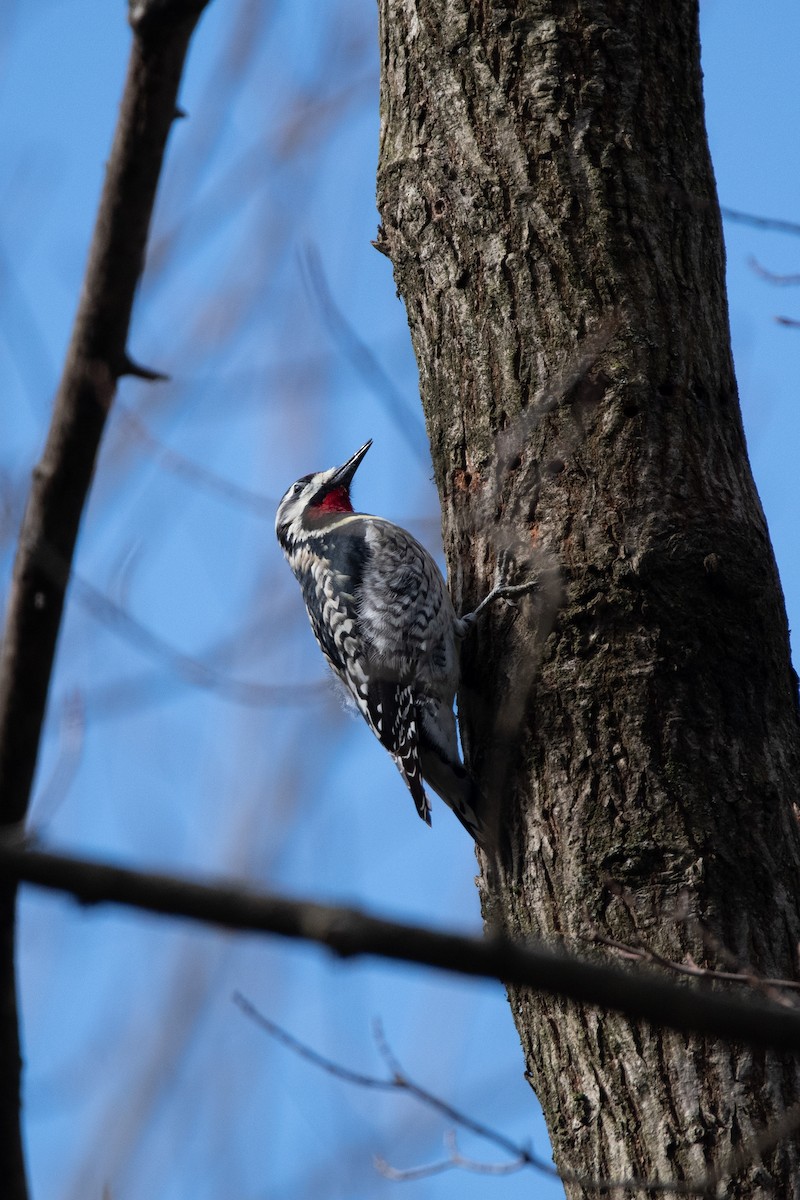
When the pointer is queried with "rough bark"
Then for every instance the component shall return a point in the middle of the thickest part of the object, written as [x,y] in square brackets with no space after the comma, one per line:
[549,207]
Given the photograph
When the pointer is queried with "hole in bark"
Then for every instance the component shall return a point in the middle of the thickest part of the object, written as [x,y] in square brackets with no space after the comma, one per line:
[630,408]
[555,467]
[515,463]
[589,392]
[667,390]
[438,207]
[502,420]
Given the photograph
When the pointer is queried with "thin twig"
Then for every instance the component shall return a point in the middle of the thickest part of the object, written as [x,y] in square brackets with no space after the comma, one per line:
[72,733]
[303,1051]
[772,276]
[409,1174]
[522,1157]
[404,1082]
[479,1168]
[767,986]
[758,222]
[187,469]
[405,417]
[454,1160]
[636,953]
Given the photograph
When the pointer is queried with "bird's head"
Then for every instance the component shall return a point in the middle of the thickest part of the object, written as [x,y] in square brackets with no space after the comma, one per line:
[315,497]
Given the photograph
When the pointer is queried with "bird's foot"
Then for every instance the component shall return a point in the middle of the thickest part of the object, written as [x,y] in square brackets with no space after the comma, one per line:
[503,591]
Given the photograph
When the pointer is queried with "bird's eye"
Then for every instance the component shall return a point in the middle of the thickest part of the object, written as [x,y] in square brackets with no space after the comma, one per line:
[297,489]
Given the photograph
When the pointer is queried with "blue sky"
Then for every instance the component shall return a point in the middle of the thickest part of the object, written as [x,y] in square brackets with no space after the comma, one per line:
[142,1075]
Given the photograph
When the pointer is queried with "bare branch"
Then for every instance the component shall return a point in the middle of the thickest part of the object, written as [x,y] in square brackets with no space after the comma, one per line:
[479,1168]
[402,1081]
[137,371]
[454,1159]
[641,953]
[410,1174]
[405,416]
[303,1051]
[772,276]
[186,468]
[399,1081]
[774,223]
[349,932]
[638,951]
[96,358]
[190,670]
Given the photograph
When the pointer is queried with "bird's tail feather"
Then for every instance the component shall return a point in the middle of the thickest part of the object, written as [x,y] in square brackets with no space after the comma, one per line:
[453,782]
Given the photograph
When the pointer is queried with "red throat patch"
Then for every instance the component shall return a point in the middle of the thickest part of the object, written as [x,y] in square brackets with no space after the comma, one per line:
[336,501]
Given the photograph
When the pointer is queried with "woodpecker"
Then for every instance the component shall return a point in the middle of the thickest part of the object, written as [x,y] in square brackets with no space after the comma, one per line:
[383,618]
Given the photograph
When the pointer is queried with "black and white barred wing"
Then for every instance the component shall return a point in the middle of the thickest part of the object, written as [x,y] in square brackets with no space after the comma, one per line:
[385,702]
[407,618]
[391,712]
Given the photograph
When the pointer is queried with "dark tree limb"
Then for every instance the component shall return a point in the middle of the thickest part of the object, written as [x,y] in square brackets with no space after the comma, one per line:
[349,933]
[96,358]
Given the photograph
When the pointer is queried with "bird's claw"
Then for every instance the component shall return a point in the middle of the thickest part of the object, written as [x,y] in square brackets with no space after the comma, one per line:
[503,591]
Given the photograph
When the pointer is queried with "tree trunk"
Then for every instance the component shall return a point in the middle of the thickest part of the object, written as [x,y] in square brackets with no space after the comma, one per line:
[550,210]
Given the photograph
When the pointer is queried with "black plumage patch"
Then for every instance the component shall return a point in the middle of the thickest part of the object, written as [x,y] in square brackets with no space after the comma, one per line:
[343,557]
[392,713]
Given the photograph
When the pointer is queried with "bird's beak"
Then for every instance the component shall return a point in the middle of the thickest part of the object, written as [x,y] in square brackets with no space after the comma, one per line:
[343,476]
